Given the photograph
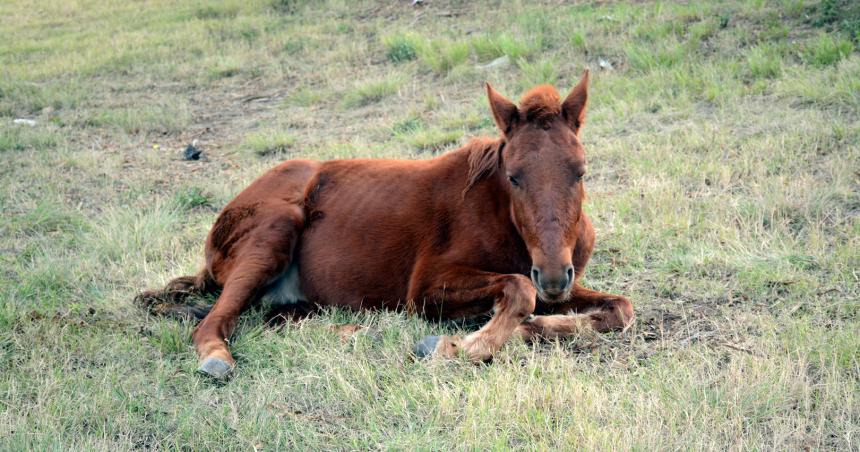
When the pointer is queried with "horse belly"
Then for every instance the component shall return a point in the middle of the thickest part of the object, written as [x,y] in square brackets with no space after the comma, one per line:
[339,269]
[285,289]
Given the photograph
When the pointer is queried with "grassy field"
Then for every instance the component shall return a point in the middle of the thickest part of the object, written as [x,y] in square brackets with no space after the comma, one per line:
[724,183]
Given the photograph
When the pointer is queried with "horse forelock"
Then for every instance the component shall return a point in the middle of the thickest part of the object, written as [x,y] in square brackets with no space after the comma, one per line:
[540,104]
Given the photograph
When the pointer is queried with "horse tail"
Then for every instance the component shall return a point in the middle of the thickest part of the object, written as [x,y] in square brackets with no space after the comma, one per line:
[173,300]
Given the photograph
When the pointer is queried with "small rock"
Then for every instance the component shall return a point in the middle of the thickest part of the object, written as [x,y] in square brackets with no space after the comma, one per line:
[26,122]
[192,152]
[498,63]
[606,65]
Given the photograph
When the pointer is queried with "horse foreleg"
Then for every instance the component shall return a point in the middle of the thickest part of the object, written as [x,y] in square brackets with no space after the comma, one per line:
[513,300]
[585,310]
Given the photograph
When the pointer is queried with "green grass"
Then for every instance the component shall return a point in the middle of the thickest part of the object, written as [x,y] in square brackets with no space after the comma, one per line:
[487,48]
[537,73]
[192,198]
[155,118]
[723,152]
[441,56]
[764,62]
[430,139]
[401,47]
[369,92]
[21,137]
[269,142]
[826,50]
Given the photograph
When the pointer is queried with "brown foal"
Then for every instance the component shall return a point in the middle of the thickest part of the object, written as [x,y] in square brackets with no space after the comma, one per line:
[495,226]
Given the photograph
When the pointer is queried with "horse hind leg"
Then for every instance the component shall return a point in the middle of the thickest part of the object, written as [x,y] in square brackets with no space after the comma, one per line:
[254,262]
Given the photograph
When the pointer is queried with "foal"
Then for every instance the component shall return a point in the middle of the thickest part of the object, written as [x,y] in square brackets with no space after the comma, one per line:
[495,226]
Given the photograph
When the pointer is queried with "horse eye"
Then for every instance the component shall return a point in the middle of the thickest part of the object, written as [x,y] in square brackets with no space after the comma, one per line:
[513,180]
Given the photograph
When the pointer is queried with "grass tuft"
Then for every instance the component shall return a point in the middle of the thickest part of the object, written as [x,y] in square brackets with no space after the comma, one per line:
[764,61]
[269,142]
[147,118]
[540,72]
[192,198]
[441,56]
[369,92]
[843,15]
[401,47]
[15,137]
[826,50]
[288,6]
[490,47]
[419,137]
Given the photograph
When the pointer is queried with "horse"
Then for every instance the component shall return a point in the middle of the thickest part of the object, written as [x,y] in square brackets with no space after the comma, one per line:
[494,227]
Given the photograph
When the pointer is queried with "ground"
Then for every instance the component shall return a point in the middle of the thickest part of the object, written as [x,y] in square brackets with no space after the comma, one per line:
[723,143]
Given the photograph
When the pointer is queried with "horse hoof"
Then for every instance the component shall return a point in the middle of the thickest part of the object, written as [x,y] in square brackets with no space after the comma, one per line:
[426,347]
[215,368]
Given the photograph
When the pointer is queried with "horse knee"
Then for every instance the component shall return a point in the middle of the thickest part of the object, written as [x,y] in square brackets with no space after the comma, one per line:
[521,295]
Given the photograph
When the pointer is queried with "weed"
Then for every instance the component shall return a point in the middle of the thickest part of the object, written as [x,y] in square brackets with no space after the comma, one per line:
[192,198]
[401,47]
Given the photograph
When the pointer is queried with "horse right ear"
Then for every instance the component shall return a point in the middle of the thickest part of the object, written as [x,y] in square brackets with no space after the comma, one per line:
[505,113]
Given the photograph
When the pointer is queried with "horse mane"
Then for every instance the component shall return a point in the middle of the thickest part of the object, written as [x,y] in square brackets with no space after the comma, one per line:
[484,158]
[540,104]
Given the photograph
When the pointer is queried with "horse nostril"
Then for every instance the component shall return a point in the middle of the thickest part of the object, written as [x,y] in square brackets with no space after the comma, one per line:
[569,274]
[536,276]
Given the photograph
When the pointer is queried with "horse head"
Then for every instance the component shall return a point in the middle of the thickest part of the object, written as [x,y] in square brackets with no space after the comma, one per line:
[543,160]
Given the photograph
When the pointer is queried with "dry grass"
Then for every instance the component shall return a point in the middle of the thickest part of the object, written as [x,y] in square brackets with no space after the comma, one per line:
[723,146]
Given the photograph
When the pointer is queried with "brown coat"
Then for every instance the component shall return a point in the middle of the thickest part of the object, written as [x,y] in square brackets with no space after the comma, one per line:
[496,225]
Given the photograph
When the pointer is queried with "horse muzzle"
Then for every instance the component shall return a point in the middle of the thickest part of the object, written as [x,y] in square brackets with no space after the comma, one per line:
[553,288]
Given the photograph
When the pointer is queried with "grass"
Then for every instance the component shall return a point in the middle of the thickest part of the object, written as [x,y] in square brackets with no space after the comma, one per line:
[369,92]
[723,149]
[487,48]
[764,62]
[441,56]
[269,142]
[14,137]
[401,47]
[430,139]
[826,50]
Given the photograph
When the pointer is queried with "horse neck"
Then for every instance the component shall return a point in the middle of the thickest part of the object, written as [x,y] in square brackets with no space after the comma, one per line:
[484,189]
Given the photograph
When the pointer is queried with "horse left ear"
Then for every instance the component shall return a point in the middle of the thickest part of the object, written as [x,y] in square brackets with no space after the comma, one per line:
[505,113]
[573,107]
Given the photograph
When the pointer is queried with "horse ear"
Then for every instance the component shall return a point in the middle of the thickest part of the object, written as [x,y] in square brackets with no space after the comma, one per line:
[505,113]
[573,107]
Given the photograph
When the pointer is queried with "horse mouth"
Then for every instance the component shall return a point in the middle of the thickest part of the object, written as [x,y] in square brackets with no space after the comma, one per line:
[552,296]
